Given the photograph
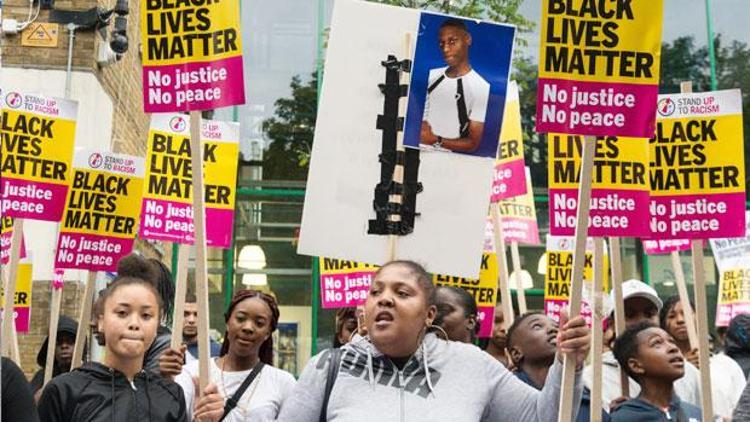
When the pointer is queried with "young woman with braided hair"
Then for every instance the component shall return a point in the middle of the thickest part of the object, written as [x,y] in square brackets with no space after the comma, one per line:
[251,319]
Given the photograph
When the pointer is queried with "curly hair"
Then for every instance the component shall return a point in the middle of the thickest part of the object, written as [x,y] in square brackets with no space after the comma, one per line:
[266,349]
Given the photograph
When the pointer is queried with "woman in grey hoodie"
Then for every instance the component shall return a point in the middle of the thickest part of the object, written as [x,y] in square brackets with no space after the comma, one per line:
[401,372]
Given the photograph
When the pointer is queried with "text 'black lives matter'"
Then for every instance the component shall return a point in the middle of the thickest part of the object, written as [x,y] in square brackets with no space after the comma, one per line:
[390,123]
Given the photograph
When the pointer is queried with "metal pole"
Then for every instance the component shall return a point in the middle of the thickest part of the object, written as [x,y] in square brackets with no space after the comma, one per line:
[711,52]
[229,273]
[315,273]
[321,17]
[69,71]
[175,255]
[315,304]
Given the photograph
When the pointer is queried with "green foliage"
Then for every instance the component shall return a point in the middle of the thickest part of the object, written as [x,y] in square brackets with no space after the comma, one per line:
[291,132]
[503,11]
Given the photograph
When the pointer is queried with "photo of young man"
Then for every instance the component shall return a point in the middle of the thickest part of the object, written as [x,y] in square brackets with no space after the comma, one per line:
[457,96]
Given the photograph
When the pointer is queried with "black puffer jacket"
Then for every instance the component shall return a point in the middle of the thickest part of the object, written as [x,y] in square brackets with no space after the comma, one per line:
[738,342]
[96,393]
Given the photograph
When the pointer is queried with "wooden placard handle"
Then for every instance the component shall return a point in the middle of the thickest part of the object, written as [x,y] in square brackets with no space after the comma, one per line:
[565,413]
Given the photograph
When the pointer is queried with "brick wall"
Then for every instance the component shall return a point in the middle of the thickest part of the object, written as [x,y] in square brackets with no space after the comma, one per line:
[122,82]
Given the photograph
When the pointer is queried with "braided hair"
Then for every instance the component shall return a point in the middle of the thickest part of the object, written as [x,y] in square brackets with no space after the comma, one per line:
[266,349]
[165,287]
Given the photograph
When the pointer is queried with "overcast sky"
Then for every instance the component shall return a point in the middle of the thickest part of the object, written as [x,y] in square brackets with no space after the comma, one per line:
[731,18]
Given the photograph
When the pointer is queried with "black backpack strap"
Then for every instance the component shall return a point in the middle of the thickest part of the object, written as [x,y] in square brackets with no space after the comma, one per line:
[232,401]
[435,84]
[334,360]
[463,115]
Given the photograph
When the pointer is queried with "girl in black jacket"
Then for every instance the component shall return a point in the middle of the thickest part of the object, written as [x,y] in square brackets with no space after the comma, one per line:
[118,389]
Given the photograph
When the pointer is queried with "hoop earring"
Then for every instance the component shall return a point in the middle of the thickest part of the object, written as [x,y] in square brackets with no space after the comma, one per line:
[440,329]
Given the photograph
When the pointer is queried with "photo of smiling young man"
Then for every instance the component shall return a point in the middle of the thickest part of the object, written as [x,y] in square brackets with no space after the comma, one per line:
[457,95]
[458,85]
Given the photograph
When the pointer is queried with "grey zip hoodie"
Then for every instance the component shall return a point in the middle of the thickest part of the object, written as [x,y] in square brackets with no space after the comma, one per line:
[443,381]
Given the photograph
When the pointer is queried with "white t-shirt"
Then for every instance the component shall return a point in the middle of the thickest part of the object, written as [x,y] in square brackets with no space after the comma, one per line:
[727,383]
[441,109]
[261,401]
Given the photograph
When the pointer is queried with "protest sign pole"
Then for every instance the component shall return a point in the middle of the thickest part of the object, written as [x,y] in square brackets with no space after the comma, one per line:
[701,309]
[596,328]
[178,316]
[502,266]
[619,305]
[15,353]
[56,298]
[687,308]
[52,337]
[565,413]
[699,284]
[83,321]
[398,170]
[515,257]
[8,324]
[201,274]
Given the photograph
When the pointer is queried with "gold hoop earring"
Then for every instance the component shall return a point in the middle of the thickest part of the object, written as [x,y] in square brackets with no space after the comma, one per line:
[439,328]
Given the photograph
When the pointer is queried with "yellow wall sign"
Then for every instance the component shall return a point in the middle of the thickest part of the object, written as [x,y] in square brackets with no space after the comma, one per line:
[40,34]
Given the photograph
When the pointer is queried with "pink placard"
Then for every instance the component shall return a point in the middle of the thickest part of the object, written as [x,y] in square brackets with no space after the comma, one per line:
[556,116]
[486,320]
[5,240]
[172,221]
[58,280]
[553,307]
[665,246]
[705,216]
[32,200]
[509,180]
[613,211]
[90,252]
[725,312]
[163,92]
[345,290]
[520,230]
[23,319]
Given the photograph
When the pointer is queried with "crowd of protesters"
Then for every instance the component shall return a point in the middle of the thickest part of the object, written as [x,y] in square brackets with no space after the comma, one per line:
[408,354]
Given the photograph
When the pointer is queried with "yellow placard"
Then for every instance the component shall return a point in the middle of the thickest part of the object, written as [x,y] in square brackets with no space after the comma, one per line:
[519,207]
[103,203]
[23,287]
[619,163]
[36,148]
[700,155]
[181,31]
[511,133]
[330,266]
[169,165]
[734,286]
[6,224]
[601,41]
[483,289]
[559,273]
[220,164]
[22,299]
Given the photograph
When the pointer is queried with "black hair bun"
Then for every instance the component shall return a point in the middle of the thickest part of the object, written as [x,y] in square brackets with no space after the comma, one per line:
[136,266]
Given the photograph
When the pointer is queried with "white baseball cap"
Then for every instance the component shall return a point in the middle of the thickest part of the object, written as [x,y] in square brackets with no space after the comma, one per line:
[637,288]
